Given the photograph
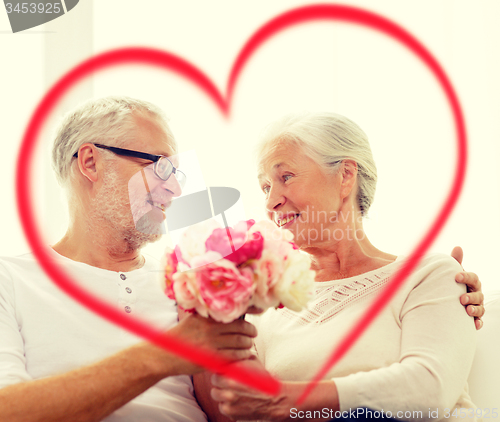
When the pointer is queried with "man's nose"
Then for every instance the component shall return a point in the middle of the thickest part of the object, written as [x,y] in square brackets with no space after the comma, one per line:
[172,185]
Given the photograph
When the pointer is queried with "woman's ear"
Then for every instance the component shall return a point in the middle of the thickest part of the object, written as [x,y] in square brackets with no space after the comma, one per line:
[87,162]
[349,173]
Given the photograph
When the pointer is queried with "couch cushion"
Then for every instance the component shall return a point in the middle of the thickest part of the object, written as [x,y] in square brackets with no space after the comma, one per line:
[484,379]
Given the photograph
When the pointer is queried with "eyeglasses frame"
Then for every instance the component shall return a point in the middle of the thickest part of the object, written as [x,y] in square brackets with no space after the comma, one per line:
[137,154]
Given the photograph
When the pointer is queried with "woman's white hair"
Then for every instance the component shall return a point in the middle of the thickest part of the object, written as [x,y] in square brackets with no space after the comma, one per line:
[327,138]
[107,121]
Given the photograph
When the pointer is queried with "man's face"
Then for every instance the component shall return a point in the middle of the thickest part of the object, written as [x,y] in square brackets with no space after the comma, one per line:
[132,199]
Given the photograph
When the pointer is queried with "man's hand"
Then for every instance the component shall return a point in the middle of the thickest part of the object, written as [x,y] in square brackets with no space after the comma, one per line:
[474,298]
[231,341]
[93,392]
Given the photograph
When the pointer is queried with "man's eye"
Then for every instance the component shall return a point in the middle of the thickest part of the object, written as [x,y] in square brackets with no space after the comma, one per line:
[265,189]
[287,176]
[161,165]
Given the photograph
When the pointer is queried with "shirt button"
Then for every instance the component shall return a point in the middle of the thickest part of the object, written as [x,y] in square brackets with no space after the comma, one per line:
[128,289]
[128,309]
[123,276]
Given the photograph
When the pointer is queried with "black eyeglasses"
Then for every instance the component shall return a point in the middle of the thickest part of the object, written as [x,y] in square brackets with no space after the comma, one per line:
[163,167]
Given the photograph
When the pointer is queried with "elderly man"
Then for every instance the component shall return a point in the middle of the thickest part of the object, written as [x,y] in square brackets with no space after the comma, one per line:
[59,361]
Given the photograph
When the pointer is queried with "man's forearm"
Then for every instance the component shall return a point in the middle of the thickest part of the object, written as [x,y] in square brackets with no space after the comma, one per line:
[93,392]
[87,394]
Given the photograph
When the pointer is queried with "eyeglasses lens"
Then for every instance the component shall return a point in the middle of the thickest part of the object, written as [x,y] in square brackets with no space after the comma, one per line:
[164,169]
[181,178]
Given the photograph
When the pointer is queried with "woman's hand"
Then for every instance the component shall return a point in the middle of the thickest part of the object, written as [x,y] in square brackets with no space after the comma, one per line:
[238,401]
[474,298]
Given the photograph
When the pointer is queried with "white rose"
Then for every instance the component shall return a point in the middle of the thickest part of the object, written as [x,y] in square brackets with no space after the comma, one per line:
[296,286]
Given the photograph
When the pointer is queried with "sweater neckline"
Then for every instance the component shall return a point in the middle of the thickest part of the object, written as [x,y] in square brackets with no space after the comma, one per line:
[333,296]
[376,273]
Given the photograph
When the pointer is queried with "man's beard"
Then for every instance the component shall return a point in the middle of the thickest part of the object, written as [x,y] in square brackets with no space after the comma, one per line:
[111,208]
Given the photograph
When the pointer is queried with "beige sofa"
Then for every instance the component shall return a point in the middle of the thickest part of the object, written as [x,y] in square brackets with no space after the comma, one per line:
[484,380]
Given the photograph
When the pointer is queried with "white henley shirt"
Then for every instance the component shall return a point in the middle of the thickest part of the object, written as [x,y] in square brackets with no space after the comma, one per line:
[43,332]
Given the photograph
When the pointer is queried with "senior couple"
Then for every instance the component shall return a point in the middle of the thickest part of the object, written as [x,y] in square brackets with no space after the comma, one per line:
[59,361]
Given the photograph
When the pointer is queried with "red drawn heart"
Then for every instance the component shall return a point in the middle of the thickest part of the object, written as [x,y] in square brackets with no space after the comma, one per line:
[179,66]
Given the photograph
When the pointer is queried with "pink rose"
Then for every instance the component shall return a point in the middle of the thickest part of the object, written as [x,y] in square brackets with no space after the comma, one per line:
[235,244]
[178,255]
[267,272]
[192,241]
[186,291]
[224,289]
[271,232]
[279,247]
[249,223]
[170,269]
[277,240]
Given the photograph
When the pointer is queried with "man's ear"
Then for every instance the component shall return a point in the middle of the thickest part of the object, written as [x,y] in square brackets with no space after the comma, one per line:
[349,173]
[87,162]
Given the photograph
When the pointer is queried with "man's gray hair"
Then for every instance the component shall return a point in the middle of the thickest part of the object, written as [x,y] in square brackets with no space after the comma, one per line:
[107,121]
[328,138]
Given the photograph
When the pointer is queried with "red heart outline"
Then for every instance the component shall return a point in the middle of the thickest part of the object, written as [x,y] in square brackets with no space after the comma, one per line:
[177,65]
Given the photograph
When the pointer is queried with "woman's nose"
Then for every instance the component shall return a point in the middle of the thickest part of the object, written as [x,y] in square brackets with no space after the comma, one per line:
[274,200]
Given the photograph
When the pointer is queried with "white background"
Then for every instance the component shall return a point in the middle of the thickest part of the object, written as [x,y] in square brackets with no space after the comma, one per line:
[330,66]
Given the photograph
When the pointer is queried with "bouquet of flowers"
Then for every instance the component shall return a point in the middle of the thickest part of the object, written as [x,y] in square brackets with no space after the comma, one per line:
[221,272]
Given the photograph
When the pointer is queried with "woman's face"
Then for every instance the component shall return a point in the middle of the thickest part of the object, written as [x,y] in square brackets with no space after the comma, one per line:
[300,195]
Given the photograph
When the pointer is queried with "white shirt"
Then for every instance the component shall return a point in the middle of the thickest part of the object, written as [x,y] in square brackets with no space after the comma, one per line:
[44,332]
[415,356]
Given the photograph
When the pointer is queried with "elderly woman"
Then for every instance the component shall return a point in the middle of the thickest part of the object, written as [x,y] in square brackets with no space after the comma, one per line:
[318,175]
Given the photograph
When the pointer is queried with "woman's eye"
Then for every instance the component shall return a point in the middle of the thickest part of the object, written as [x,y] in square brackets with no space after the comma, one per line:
[287,176]
[265,189]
